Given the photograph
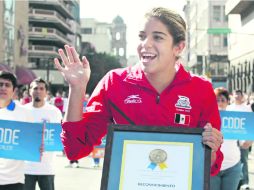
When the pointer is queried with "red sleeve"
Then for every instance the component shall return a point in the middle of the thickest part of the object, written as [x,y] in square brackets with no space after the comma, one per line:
[73,139]
[211,114]
[215,169]
[80,137]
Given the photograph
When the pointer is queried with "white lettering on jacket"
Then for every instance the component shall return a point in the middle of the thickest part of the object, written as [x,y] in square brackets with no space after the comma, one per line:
[133,99]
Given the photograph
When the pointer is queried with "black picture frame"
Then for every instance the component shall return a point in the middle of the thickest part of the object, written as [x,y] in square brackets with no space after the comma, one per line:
[119,134]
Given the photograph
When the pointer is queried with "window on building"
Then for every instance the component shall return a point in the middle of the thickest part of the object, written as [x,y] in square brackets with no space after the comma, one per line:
[217,13]
[212,68]
[101,30]
[216,40]
[225,41]
[199,59]
[222,68]
[8,30]
[115,51]
[225,17]
[118,36]
[121,52]
[36,63]
[78,42]
[86,30]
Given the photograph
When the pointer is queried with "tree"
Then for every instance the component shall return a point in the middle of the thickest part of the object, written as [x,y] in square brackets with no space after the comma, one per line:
[100,64]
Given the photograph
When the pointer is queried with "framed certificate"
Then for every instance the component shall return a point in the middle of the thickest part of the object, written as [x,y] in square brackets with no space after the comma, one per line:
[155,158]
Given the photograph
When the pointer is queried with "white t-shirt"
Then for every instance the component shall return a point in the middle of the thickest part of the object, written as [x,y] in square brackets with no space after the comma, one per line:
[242,107]
[52,115]
[229,148]
[65,104]
[12,171]
[231,153]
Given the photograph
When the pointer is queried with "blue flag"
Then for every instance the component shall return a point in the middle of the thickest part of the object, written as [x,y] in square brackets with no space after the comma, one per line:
[20,140]
[52,140]
[237,125]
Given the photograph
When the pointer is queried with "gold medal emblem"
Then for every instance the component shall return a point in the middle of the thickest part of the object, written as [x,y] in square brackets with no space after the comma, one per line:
[158,156]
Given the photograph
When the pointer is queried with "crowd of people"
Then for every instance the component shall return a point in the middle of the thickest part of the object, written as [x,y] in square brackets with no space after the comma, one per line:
[234,170]
[23,96]
[34,106]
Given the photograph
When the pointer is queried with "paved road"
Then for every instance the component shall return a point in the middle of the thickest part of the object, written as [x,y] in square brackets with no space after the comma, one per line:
[83,178]
[88,178]
[251,169]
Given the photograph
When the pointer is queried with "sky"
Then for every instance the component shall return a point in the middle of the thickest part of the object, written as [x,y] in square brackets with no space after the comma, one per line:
[130,10]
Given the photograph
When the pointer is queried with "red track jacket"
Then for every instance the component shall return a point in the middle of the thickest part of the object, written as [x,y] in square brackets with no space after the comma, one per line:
[189,101]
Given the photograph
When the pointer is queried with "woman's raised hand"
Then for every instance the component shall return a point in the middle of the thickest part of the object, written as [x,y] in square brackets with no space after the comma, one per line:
[75,72]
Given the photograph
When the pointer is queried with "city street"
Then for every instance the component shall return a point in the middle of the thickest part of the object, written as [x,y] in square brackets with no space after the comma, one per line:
[88,178]
[251,169]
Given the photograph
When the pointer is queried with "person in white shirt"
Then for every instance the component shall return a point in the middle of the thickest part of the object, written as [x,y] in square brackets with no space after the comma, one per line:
[240,105]
[230,174]
[41,172]
[11,171]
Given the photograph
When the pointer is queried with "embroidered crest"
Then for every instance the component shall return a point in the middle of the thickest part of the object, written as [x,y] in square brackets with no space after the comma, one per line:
[183,102]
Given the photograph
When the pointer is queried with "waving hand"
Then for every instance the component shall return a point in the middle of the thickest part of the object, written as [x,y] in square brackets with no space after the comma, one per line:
[75,71]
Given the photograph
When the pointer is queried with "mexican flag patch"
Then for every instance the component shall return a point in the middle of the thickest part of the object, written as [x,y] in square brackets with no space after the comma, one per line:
[182,119]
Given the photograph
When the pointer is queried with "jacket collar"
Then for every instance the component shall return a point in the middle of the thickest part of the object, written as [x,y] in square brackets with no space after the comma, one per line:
[136,76]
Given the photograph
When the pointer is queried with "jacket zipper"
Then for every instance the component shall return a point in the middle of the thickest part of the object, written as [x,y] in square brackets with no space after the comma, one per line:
[157,99]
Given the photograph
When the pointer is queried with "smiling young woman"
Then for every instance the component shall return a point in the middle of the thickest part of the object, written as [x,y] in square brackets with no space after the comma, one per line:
[154,92]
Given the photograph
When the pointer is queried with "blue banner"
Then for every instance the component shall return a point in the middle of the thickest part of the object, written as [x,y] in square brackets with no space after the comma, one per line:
[52,140]
[20,140]
[237,125]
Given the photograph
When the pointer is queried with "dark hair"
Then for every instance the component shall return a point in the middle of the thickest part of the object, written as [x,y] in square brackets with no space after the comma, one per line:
[239,91]
[221,91]
[9,76]
[173,21]
[39,80]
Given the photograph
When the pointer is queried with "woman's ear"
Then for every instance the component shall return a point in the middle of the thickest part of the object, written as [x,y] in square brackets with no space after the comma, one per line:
[179,47]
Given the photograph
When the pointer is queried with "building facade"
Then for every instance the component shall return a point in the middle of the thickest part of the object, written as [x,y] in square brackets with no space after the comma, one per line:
[52,24]
[207,28]
[14,40]
[107,38]
[118,43]
[241,49]
[13,33]
[96,33]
